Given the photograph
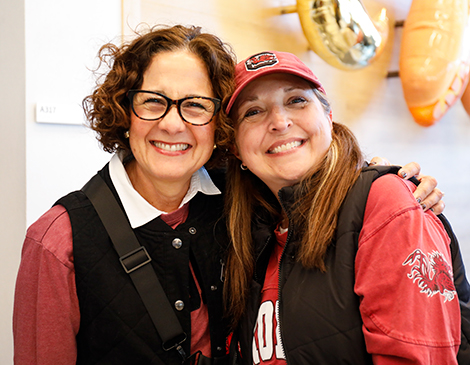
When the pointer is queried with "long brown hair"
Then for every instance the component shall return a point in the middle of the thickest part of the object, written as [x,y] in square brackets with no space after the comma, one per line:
[107,108]
[319,197]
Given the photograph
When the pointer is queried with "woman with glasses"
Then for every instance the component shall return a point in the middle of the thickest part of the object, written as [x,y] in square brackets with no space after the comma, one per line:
[157,111]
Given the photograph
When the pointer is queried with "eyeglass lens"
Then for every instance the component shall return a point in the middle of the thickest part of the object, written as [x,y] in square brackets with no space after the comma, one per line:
[152,106]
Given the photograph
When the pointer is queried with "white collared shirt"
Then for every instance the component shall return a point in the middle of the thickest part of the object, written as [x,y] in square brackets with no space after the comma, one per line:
[140,211]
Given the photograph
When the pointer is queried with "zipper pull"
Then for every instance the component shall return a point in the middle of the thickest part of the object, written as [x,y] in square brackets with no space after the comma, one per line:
[222,270]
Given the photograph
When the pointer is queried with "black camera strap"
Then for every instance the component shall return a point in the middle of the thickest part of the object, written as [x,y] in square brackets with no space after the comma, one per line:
[136,262]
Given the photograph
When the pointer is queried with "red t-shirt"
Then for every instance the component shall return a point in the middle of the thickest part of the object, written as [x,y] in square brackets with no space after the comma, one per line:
[267,344]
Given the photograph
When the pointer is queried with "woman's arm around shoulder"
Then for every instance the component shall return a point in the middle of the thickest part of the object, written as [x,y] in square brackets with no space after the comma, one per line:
[409,306]
[46,315]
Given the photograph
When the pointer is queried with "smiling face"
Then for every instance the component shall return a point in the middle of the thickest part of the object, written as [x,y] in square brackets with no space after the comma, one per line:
[282,129]
[170,150]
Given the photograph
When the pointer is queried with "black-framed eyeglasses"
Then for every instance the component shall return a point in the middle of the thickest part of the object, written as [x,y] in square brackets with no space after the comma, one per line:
[151,106]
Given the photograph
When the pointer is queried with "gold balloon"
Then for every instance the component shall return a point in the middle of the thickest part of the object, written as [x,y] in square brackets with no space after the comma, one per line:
[342,33]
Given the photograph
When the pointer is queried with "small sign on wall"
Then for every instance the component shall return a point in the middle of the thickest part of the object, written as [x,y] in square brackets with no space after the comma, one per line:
[59,113]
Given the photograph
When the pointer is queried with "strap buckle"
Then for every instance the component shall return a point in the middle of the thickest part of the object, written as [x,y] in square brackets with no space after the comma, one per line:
[175,343]
[135,259]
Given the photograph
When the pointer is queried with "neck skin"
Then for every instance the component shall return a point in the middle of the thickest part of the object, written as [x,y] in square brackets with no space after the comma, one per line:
[166,196]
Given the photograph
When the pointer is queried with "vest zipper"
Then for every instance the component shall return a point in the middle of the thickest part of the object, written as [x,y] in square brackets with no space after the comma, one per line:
[289,235]
[279,293]
[255,273]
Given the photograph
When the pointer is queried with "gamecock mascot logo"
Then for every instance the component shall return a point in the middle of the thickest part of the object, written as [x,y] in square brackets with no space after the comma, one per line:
[260,60]
[432,274]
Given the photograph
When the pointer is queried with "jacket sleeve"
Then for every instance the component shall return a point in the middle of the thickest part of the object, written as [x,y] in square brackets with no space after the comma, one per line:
[46,315]
[404,279]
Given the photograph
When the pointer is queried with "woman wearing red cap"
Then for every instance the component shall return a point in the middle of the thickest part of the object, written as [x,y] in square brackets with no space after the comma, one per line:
[331,262]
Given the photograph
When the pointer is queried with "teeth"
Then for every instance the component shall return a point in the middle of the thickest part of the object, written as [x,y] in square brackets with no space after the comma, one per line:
[286,147]
[171,147]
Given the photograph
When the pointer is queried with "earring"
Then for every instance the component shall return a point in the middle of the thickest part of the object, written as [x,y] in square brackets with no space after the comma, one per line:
[215,146]
[126,134]
[243,167]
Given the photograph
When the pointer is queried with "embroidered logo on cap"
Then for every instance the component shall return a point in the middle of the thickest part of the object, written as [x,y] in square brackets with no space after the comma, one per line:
[260,60]
[432,273]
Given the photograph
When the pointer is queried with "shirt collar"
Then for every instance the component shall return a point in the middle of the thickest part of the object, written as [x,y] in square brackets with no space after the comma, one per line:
[140,211]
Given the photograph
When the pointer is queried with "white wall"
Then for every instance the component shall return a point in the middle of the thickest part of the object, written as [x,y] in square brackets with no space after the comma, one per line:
[46,47]
[12,160]
[62,41]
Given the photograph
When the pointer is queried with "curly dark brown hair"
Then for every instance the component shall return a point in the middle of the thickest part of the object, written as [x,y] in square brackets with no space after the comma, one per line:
[107,109]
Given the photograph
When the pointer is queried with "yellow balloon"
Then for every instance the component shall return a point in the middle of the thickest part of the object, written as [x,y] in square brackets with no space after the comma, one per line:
[342,33]
[434,57]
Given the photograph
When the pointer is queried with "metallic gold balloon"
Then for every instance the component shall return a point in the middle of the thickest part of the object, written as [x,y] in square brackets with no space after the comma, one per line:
[434,57]
[341,32]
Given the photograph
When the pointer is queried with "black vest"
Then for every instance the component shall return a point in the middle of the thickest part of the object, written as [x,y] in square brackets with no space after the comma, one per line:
[115,327]
[331,304]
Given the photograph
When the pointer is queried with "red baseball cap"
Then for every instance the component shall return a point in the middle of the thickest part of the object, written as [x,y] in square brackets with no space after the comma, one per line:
[266,63]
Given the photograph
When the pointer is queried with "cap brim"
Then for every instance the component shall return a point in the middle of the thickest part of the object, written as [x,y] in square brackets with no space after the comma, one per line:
[268,71]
